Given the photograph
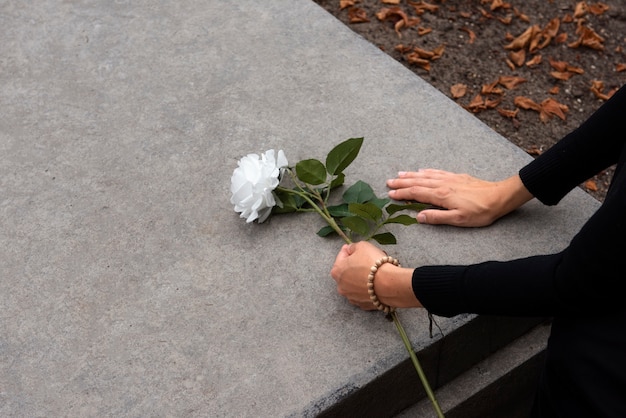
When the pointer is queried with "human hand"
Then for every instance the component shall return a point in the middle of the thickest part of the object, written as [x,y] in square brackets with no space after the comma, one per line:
[469,201]
[393,284]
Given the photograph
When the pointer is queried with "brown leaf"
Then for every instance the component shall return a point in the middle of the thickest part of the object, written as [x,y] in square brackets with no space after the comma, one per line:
[561,75]
[521,16]
[357,15]
[508,113]
[421,7]
[534,150]
[561,38]
[391,1]
[517,57]
[422,53]
[438,52]
[496,4]
[491,88]
[423,31]
[477,104]
[620,67]
[534,61]
[510,64]
[524,39]
[553,108]
[591,186]
[558,65]
[458,90]
[526,103]
[346,3]
[567,18]
[597,8]
[403,49]
[506,20]
[492,103]
[392,13]
[580,10]
[588,37]
[510,82]
[472,35]
[554,90]
[414,58]
[597,88]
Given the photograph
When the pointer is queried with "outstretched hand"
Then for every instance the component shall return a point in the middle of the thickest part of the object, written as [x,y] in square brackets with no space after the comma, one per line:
[468,201]
[352,266]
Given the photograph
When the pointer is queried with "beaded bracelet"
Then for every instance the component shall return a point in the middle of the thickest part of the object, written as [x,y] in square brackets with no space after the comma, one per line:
[370,283]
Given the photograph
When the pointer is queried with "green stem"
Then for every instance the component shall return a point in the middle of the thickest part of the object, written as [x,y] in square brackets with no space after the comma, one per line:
[329,219]
[416,363]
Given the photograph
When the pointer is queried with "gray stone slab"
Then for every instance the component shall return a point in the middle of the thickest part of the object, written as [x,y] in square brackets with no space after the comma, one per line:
[128,285]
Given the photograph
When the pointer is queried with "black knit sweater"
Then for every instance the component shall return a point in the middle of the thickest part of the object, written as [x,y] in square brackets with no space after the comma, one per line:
[581,286]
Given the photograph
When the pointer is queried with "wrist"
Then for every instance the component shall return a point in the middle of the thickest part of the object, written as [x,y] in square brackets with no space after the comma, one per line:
[513,194]
[394,287]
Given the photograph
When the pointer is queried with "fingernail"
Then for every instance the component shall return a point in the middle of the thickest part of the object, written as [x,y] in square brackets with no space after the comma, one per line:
[421,218]
[401,173]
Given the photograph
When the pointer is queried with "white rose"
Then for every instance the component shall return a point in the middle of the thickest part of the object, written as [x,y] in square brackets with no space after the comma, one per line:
[253,182]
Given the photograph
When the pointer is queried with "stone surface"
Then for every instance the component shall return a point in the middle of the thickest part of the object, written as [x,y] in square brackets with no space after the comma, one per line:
[128,285]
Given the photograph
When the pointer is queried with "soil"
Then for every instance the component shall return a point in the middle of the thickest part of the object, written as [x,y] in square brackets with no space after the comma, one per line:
[480,41]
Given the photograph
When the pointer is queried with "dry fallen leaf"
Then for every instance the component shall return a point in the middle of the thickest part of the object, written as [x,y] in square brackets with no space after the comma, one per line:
[472,35]
[423,31]
[526,103]
[561,38]
[458,90]
[346,3]
[391,1]
[508,113]
[534,150]
[550,107]
[561,75]
[477,104]
[521,16]
[414,58]
[620,67]
[580,10]
[510,82]
[524,39]
[534,61]
[597,8]
[597,88]
[517,57]
[421,7]
[591,186]
[554,90]
[587,37]
[357,15]
[491,88]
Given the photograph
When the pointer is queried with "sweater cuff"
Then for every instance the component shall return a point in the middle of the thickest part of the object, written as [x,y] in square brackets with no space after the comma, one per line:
[439,289]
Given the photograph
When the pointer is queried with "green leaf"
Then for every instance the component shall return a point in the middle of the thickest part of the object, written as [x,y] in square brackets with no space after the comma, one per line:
[359,192]
[311,171]
[366,210]
[393,208]
[326,231]
[285,203]
[380,202]
[338,181]
[386,238]
[401,219]
[342,155]
[356,224]
[339,211]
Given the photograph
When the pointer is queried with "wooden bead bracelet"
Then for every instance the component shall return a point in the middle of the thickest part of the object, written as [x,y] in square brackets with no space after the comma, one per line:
[370,283]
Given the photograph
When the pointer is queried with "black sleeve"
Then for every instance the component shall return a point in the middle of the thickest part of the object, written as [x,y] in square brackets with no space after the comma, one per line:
[585,277]
[583,153]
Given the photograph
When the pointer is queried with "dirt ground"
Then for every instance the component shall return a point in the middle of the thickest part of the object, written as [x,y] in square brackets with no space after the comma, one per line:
[532,70]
